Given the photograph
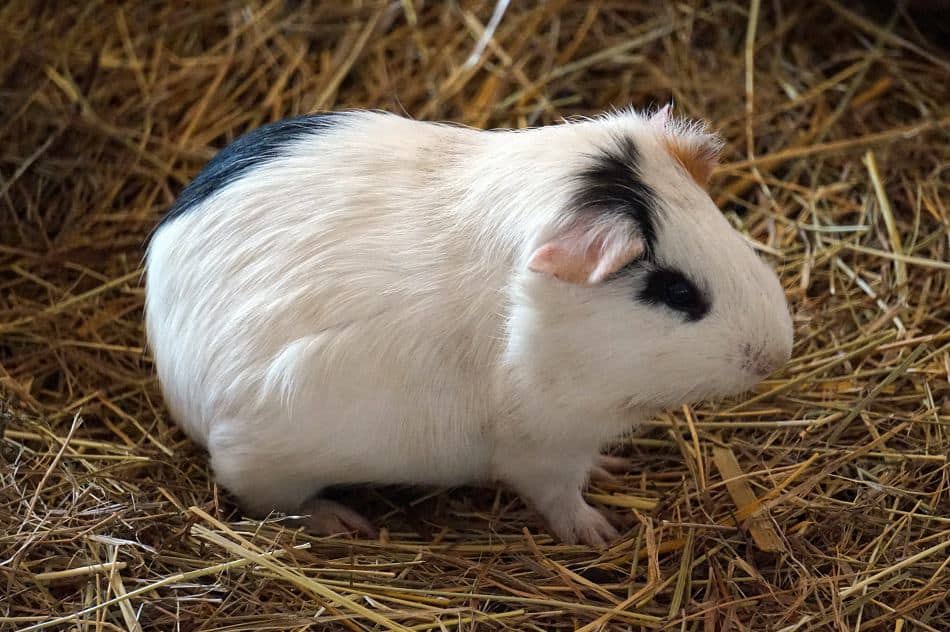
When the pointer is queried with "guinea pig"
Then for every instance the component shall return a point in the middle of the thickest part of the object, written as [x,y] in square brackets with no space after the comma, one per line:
[359,298]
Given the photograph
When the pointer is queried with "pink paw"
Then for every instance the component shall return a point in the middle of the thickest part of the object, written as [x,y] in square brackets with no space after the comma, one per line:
[326,517]
[607,467]
[583,524]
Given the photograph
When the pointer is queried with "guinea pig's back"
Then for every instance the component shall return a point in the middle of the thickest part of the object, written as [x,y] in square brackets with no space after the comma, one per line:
[349,225]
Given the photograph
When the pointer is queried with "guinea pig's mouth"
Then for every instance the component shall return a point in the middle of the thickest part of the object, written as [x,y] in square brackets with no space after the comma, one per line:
[740,376]
[653,405]
[745,386]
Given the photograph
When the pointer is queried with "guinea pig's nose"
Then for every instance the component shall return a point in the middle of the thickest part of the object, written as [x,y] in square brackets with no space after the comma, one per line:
[765,361]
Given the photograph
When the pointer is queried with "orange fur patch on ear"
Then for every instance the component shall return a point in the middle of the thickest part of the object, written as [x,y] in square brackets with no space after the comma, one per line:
[698,155]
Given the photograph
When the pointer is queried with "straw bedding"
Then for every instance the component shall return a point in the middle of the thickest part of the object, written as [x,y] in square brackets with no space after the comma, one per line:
[821,501]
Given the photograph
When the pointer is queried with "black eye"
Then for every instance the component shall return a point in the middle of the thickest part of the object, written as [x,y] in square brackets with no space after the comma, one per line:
[680,294]
[671,288]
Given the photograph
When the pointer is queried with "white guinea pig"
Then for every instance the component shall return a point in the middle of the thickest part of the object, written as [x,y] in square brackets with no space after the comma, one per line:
[361,298]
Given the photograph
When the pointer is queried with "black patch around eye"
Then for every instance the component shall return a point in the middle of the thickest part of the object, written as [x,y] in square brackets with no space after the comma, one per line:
[244,154]
[670,288]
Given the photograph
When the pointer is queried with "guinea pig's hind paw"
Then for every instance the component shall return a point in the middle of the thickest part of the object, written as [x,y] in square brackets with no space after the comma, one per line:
[327,517]
[608,467]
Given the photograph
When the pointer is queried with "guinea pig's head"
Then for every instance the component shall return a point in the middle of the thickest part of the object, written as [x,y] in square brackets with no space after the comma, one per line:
[643,292]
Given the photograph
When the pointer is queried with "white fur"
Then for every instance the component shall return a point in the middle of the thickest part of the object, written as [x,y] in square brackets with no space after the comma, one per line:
[361,310]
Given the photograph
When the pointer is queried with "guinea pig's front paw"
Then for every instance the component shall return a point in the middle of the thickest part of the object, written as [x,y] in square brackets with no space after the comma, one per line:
[579,523]
[326,517]
[608,467]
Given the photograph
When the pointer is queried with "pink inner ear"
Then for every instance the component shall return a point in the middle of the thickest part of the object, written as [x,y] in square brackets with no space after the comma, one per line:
[587,254]
[662,117]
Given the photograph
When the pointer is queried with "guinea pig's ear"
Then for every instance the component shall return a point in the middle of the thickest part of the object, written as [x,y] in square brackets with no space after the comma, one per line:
[588,251]
[661,117]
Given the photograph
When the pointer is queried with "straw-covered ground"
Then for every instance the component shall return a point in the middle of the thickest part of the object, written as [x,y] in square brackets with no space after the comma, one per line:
[820,502]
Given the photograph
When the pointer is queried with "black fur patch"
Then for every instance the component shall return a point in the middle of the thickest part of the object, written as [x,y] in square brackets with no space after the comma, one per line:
[244,154]
[669,287]
[612,184]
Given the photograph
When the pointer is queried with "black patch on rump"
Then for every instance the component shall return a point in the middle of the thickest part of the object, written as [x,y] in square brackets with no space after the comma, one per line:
[244,154]
[612,184]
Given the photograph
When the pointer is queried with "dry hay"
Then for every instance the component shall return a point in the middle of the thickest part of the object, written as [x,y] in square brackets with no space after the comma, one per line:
[821,502]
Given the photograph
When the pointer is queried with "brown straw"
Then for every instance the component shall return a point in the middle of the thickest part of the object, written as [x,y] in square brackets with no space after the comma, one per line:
[822,501]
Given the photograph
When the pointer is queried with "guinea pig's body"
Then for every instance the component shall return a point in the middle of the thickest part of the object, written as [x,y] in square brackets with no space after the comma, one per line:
[362,298]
